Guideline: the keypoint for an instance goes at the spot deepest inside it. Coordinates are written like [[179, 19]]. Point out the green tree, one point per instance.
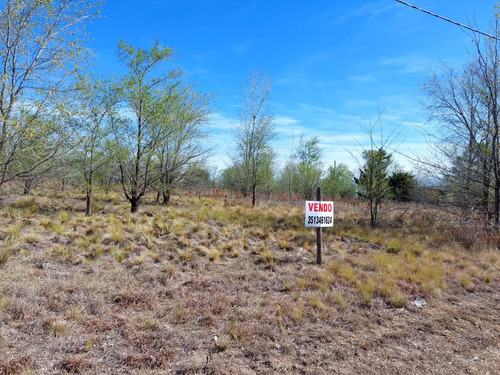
[[41, 48], [37, 153], [309, 172], [373, 179], [287, 177], [254, 135], [182, 137], [230, 178], [96, 100], [147, 95], [339, 182], [267, 176], [196, 176], [402, 186]]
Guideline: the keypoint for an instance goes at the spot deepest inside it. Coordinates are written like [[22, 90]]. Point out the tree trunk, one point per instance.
[[88, 209], [253, 195], [485, 190], [27, 186], [134, 205], [166, 197]]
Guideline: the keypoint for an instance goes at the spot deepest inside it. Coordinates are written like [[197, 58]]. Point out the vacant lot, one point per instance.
[[208, 287]]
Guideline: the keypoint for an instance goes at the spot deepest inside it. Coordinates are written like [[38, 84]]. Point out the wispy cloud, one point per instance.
[[363, 78], [285, 121], [241, 47], [353, 11], [221, 123], [298, 73], [407, 64]]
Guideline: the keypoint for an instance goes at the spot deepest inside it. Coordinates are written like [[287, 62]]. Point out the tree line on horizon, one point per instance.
[[146, 129]]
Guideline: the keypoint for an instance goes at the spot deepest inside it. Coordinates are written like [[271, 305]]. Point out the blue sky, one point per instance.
[[334, 64]]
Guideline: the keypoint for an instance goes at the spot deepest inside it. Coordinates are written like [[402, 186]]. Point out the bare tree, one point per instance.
[[466, 104]]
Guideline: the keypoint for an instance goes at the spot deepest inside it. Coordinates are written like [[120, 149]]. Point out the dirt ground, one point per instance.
[[172, 312]]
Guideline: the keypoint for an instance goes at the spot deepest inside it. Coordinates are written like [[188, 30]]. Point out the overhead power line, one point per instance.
[[448, 20]]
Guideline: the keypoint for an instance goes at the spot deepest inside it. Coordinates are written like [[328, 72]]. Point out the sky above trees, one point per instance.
[[334, 64]]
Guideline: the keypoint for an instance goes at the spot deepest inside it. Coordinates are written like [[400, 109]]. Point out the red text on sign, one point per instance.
[[320, 207]]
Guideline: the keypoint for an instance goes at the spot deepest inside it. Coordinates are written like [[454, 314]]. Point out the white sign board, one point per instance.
[[319, 214]]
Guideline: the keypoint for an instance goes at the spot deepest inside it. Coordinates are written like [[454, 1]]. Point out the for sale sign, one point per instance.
[[319, 214]]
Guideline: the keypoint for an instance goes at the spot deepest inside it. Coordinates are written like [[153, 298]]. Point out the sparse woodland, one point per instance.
[[122, 253]]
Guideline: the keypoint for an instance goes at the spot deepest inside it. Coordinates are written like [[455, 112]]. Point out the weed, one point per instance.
[[280, 319], [395, 246], [298, 315], [339, 300], [83, 243], [117, 235], [316, 303], [302, 282], [334, 267], [267, 256], [221, 343], [367, 290], [5, 302], [181, 312], [487, 279], [287, 285], [246, 244], [89, 345], [386, 289], [398, 300], [119, 255], [45, 222], [57, 228], [64, 217], [186, 255], [73, 314], [57, 328], [214, 255], [15, 229], [348, 273], [236, 332], [465, 281], [4, 256], [94, 239], [284, 244], [27, 204], [169, 269], [137, 260], [64, 251], [150, 324], [179, 227]]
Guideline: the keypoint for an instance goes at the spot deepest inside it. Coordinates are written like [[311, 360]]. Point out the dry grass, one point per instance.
[[207, 287]]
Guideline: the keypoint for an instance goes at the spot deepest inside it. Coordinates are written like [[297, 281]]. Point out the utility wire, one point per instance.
[[448, 20]]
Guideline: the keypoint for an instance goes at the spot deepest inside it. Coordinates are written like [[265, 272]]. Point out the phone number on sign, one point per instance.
[[319, 220]]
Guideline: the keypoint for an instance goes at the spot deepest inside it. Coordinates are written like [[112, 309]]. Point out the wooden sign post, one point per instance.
[[319, 232], [319, 214]]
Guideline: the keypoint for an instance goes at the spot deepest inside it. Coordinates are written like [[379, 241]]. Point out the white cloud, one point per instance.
[[221, 123], [285, 120]]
